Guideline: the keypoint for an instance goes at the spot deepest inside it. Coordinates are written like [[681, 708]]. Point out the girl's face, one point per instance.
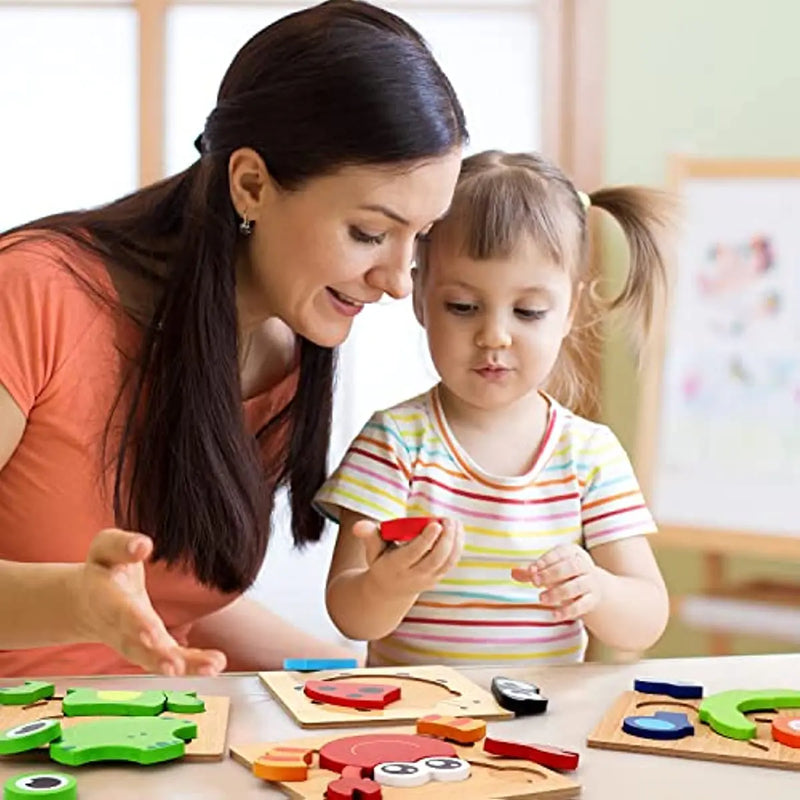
[[494, 327], [318, 254]]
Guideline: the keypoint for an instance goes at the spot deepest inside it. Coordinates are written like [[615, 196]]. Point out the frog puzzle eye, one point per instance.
[[42, 784], [31, 727], [401, 773], [444, 768]]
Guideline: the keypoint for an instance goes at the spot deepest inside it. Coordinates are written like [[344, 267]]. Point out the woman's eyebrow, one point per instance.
[[386, 212]]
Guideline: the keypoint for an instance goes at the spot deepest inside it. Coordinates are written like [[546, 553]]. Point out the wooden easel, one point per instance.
[[714, 545]]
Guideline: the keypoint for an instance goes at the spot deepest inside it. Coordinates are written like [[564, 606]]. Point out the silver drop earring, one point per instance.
[[246, 225]]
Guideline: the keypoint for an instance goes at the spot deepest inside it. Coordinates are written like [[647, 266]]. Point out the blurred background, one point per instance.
[[101, 96]]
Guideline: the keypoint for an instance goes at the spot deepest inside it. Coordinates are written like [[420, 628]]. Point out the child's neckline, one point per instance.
[[473, 469]]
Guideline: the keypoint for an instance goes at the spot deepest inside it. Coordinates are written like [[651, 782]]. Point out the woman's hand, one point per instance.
[[570, 580], [113, 607], [415, 567]]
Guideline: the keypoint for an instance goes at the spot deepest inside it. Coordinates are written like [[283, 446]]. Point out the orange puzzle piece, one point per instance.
[[786, 730], [283, 764], [463, 730]]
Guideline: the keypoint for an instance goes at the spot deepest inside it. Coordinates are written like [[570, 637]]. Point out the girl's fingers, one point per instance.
[[522, 574], [203, 662]]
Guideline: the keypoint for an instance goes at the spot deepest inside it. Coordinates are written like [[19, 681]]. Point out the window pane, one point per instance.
[[68, 91]]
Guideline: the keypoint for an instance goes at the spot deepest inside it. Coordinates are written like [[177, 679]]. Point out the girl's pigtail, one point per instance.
[[643, 215]]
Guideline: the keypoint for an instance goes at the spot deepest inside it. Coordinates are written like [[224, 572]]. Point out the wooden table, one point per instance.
[[579, 696]]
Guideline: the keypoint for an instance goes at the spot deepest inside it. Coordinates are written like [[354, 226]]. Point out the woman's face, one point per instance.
[[318, 254]]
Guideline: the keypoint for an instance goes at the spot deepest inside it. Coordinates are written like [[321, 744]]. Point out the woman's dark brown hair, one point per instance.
[[338, 84]]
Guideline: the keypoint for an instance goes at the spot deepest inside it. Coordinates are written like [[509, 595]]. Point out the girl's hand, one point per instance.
[[113, 607], [570, 579], [414, 567]]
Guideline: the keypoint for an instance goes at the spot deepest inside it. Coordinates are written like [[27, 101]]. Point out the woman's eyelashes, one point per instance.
[[361, 236]]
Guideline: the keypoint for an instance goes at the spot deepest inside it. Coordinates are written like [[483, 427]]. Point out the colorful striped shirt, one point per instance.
[[582, 489]]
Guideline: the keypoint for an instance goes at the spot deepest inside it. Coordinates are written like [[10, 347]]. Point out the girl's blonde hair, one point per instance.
[[501, 197]]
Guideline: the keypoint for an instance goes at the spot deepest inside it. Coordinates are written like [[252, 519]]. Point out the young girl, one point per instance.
[[541, 529]]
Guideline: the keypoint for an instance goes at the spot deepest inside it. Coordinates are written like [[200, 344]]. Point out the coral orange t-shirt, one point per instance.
[[60, 362]]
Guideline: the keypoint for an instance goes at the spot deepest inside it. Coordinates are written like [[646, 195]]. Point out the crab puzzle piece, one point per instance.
[[54, 785], [29, 736], [365, 752], [463, 730], [144, 740], [518, 696], [725, 712], [786, 730], [404, 529], [407, 774], [28, 692], [680, 690], [352, 786], [282, 763], [352, 694], [661, 725], [547, 756]]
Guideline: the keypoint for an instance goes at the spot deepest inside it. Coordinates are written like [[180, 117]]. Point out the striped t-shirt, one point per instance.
[[407, 462]]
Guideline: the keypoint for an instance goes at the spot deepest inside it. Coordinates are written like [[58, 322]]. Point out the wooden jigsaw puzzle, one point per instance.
[[423, 690], [757, 727], [407, 765], [28, 712]]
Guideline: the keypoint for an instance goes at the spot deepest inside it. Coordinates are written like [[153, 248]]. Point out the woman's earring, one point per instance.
[[246, 225]]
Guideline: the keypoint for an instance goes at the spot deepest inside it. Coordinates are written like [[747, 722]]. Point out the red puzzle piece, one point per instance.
[[404, 529], [786, 730], [354, 695], [365, 752], [351, 786], [544, 754]]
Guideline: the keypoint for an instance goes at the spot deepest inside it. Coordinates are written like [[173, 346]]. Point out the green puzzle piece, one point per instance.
[[725, 712], [145, 740], [55, 785], [28, 692], [184, 703], [112, 703], [28, 736]]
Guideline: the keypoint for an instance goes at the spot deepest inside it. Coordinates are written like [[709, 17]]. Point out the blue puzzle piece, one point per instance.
[[662, 725], [681, 690], [314, 664]]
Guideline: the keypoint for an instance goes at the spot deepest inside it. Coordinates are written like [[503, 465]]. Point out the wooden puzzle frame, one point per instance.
[[495, 777], [705, 745], [212, 725], [426, 690]]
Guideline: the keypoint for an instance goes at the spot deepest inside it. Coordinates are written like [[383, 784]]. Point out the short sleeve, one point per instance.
[[374, 476], [44, 311], [612, 506]]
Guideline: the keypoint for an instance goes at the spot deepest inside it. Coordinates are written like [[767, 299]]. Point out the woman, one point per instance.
[[169, 357]]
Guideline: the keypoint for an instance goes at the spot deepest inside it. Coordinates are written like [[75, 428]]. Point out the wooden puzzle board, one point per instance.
[[212, 725], [491, 777], [425, 690], [705, 744]]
